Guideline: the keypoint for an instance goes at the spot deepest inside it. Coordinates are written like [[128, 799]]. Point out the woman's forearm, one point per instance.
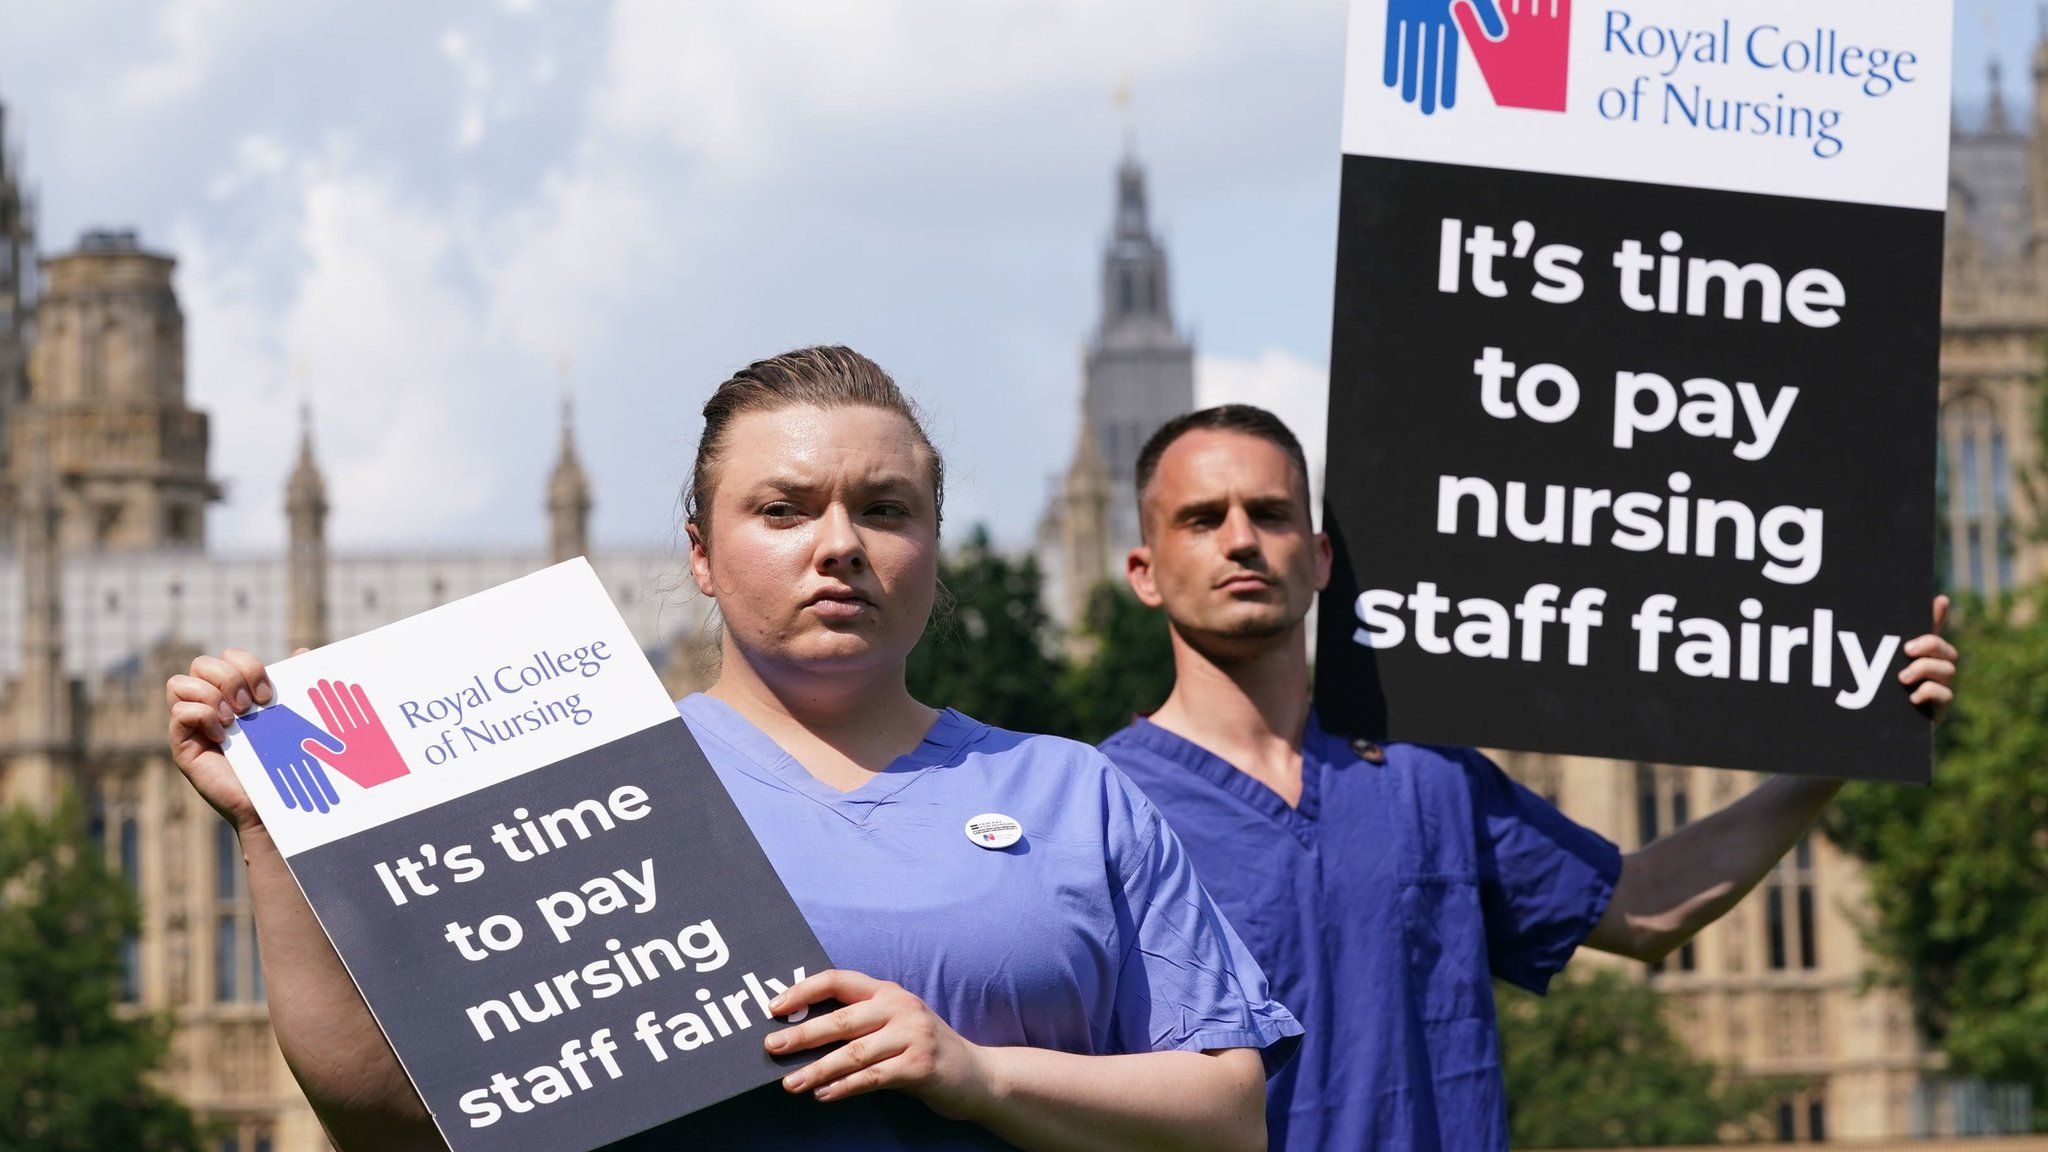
[[1049, 1101], [329, 1039]]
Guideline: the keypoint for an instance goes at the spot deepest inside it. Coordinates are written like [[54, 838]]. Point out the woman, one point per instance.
[[1081, 992]]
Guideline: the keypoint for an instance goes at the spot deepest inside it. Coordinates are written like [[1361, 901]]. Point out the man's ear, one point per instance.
[[1322, 560], [1138, 570], [700, 563]]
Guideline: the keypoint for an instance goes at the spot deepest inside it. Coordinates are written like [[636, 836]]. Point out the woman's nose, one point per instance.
[[839, 542]]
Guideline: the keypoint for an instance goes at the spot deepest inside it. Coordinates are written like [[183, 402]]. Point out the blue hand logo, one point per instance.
[[1422, 48], [279, 737]]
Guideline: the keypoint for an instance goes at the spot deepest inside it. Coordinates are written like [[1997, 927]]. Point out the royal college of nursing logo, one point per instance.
[[296, 753], [1523, 48]]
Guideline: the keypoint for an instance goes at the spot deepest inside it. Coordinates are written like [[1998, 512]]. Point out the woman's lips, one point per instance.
[[838, 607]]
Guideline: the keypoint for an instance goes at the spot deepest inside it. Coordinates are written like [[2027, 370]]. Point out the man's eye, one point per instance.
[[888, 508]]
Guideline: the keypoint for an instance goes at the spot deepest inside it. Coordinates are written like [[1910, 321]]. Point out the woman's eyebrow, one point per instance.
[[806, 483]]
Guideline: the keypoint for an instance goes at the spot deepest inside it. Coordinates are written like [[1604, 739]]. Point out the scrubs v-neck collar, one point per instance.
[[1299, 819], [949, 732]]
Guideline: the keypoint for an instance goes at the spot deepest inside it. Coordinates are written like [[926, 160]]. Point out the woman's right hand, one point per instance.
[[203, 703]]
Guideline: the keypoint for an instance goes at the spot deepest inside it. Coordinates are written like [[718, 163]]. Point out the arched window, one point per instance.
[[130, 849], [237, 974], [1663, 806], [1975, 498]]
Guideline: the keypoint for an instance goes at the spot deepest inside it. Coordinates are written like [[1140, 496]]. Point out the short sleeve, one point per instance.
[[1544, 880], [1186, 983]]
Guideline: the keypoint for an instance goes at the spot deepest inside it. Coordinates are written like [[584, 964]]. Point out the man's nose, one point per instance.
[[1237, 535]]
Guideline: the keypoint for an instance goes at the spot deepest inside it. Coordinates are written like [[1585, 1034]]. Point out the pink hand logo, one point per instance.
[[1528, 65], [367, 757]]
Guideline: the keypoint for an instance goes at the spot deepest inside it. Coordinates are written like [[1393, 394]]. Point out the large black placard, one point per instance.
[[652, 932], [1674, 630]]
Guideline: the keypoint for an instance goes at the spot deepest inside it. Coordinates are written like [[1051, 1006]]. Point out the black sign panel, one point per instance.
[[615, 974], [1631, 471]]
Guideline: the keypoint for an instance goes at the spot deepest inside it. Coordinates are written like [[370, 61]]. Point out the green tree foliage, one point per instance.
[[996, 656], [1594, 1065], [74, 1069], [1129, 667], [1959, 870], [991, 656]]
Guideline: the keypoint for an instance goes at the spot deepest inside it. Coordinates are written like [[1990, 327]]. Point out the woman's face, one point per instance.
[[824, 539]]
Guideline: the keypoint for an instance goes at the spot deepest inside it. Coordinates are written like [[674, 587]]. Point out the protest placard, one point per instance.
[[548, 900], [1633, 378]]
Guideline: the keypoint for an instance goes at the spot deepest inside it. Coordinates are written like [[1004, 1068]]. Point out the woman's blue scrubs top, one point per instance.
[[1090, 935]]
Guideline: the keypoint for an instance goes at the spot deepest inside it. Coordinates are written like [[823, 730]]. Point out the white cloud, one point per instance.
[[1295, 390], [257, 158], [396, 361], [561, 264], [195, 34], [423, 325], [473, 77], [662, 191], [735, 84]]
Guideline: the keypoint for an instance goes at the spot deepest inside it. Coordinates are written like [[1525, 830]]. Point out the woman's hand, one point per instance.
[[202, 705], [893, 1040]]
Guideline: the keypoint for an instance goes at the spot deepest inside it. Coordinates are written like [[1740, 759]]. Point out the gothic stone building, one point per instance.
[[1776, 987], [110, 588]]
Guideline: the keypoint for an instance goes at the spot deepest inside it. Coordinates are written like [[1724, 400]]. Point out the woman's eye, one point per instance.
[[889, 508], [779, 510]]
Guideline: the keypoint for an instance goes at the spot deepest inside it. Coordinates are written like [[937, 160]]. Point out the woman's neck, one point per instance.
[[866, 718]]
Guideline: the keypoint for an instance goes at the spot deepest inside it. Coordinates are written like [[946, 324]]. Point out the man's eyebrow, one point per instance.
[[1197, 507]]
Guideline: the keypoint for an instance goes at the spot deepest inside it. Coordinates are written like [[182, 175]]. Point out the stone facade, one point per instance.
[[108, 589], [1776, 987]]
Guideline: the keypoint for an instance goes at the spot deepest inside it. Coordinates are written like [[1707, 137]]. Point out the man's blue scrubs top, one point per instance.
[[1378, 908]]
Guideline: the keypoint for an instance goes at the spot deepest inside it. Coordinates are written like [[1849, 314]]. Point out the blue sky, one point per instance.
[[416, 214]]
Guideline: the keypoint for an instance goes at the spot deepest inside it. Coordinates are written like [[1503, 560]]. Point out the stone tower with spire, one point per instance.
[[1139, 368], [107, 400], [1084, 515], [17, 286], [1138, 372], [41, 714], [568, 499], [305, 509]]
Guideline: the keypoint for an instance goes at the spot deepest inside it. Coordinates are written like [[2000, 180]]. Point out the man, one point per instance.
[[1381, 887]]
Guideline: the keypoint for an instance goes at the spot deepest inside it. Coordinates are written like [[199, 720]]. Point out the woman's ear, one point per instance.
[[700, 562]]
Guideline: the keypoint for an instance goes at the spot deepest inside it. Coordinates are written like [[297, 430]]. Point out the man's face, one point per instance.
[[1230, 551]]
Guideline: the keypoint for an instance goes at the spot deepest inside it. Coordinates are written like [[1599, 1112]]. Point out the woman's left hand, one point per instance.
[[893, 1040]]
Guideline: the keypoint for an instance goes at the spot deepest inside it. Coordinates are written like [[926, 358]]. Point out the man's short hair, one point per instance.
[[1240, 418]]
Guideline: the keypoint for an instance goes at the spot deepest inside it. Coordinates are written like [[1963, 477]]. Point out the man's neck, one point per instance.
[[1249, 706]]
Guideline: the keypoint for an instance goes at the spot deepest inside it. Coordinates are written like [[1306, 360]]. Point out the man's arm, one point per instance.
[[1675, 886]]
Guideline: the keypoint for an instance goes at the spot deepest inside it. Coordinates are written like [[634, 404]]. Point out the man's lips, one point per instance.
[[1244, 581]]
